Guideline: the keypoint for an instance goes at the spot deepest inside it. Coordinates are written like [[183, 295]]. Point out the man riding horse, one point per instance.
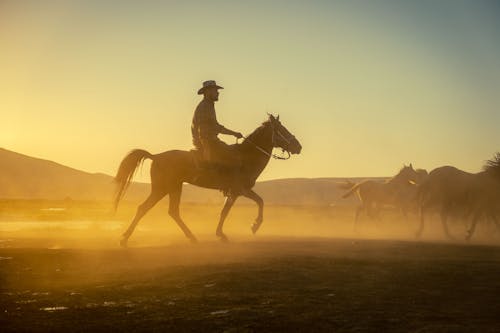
[[205, 129], [171, 169], [216, 154]]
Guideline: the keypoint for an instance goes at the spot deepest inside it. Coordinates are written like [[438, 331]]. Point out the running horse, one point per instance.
[[472, 195], [170, 169], [397, 191]]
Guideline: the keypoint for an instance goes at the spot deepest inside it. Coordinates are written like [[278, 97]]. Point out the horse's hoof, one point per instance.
[[123, 243], [256, 225], [223, 238], [193, 239]]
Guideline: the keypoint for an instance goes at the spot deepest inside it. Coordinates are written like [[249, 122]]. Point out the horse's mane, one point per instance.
[[257, 130], [397, 176], [403, 167], [492, 166]]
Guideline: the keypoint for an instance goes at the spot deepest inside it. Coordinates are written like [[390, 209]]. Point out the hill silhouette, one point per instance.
[[25, 177]]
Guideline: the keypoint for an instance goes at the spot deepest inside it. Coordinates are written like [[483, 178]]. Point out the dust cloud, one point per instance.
[[93, 225], [306, 269]]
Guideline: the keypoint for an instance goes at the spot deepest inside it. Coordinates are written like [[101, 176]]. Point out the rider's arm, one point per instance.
[[208, 123], [223, 130]]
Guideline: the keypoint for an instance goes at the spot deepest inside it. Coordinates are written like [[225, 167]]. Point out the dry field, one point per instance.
[[62, 270]]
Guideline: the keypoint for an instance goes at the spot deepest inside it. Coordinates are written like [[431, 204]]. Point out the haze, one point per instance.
[[366, 86]]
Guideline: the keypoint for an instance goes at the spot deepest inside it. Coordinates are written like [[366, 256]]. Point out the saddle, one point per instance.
[[212, 174], [203, 165]]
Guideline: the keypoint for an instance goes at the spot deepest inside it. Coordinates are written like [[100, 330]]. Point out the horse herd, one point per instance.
[[446, 190]]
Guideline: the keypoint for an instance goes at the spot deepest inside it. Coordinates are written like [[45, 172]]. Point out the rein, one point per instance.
[[262, 150]]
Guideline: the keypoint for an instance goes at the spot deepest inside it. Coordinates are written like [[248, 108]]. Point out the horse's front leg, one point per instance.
[[250, 194], [230, 200]]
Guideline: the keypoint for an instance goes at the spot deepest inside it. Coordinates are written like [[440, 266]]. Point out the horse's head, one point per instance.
[[407, 175], [282, 138]]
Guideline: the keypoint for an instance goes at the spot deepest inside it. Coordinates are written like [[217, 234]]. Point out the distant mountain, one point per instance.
[[25, 177]]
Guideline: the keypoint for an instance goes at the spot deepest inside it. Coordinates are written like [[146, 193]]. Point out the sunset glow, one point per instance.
[[366, 87]]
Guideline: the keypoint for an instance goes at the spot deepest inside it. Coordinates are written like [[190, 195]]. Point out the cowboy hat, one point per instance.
[[208, 84]]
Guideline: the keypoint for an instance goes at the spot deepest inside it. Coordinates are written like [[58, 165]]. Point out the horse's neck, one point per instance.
[[261, 137], [397, 180], [257, 149]]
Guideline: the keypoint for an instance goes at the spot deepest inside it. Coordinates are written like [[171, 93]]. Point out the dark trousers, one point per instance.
[[218, 152]]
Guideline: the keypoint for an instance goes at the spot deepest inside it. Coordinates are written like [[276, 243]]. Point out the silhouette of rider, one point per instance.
[[205, 128]]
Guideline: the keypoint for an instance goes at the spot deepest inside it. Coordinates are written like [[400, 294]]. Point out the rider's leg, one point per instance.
[[229, 164]]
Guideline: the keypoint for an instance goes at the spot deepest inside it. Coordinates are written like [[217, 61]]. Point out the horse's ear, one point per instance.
[[411, 166], [278, 117], [271, 117]]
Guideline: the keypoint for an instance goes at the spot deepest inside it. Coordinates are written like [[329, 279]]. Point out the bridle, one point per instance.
[[285, 139]]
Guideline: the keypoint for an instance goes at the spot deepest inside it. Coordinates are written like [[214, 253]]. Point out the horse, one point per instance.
[[170, 169], [451, 190], [373, 195]]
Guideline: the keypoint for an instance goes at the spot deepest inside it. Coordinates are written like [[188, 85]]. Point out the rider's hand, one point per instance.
[[238, 135]]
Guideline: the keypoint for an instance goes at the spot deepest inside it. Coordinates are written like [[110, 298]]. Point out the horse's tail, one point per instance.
[[353, 189], [346, 185], [126, 171]]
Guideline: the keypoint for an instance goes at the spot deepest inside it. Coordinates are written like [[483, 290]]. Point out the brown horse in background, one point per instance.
[[450, 190], [398, 191], [170, 169]]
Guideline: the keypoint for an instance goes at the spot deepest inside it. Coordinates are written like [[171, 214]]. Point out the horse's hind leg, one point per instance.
[[472, 228], [143, 208], [173, 211], [444, 220]]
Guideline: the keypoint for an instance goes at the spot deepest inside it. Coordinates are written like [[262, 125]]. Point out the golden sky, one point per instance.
[[365, 86]]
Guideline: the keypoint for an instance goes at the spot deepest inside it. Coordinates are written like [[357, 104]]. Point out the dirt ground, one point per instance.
[[304, 271], [277, 284]]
